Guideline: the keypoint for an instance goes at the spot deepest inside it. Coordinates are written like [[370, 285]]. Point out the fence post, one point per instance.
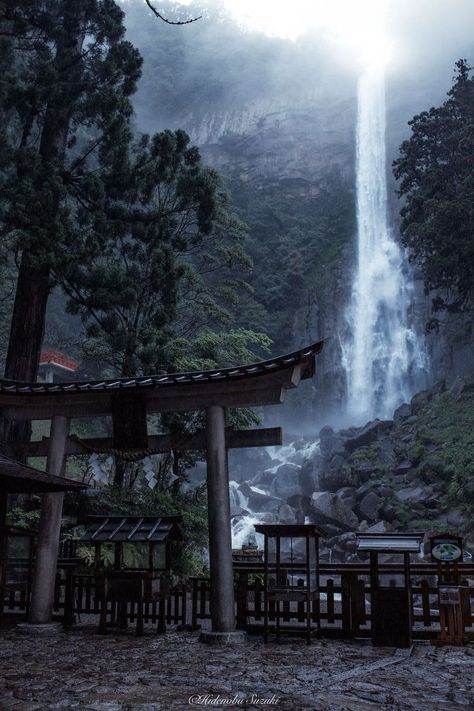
[[68, 599], [242, 600]]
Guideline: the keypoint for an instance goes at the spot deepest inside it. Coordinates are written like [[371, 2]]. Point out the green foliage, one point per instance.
[[295, 245], [209, 350], [19, 517], [436, 171], [445, 436], [416, 453], [365, 455], [165, 206]]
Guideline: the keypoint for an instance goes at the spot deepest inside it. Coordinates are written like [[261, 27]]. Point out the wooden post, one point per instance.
[[49, 529], [220, 544], [3, 550]]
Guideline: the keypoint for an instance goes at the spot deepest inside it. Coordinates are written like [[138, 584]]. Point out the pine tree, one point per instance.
[[67, 76]]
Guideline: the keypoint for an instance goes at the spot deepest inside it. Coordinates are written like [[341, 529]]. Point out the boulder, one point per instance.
[[388, 513], [380, 527], [328, 506], [263, 479], [362, 472], [247, 463], [326, 436], [370, 505], [308, 477], [401, 413], [368, 486], [286, 481], [335, 474], [258, 500], [348, 541], [300, 503], [366, 435], [244, 487], [403, 467], [348, 495], [412, 494], [286, 514]]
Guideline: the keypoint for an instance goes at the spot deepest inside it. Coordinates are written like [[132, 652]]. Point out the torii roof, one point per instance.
[[260, 383]]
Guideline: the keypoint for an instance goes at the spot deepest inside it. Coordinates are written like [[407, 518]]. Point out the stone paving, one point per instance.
[[120, 672]]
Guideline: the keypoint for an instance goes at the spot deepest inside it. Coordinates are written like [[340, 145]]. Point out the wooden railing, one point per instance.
[[342, 609]]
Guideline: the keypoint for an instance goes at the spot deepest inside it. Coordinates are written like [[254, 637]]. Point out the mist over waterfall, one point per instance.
[[382, 357]]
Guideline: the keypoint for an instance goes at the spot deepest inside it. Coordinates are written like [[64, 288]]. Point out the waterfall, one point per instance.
[[382, 356]]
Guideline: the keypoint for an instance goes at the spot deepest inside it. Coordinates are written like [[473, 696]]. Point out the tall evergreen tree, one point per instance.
[[436, 170], [67, 77]]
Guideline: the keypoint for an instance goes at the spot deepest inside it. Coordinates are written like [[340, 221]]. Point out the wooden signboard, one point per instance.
[[446, 548], [129, 421], [447, 552]]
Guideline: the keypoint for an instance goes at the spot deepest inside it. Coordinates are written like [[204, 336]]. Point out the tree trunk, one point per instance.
[[24, 343], [27, 326]]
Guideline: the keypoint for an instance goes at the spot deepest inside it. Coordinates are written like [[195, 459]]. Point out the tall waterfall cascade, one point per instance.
[[382, 356]]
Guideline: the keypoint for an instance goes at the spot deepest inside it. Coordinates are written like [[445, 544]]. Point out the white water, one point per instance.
[[243, 526], [382, 357]]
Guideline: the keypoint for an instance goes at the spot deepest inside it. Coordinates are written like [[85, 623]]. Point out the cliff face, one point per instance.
[[273, 143], [288, 155]]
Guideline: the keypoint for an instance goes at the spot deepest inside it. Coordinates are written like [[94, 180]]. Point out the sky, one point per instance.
[[399, 31]]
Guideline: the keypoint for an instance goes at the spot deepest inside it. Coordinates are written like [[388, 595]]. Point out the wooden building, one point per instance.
[[16, 546]]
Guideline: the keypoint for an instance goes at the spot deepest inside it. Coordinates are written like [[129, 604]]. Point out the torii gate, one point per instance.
[[129, 401]]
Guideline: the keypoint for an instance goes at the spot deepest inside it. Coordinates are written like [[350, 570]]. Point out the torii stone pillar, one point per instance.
[[220, 541], [49, 530]]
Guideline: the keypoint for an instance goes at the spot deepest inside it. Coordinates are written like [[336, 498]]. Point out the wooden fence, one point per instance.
[[342, 609]]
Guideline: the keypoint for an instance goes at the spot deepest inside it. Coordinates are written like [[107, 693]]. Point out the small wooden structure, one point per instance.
[[447, 552], [16, 565], [17, 546], [142, 557], [248, 553], [291, 562], [390, 596]]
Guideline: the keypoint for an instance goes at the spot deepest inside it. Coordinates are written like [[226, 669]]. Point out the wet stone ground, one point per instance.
[[120, 672]]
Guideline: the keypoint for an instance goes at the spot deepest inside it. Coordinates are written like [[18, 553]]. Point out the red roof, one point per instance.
[[52, 356]]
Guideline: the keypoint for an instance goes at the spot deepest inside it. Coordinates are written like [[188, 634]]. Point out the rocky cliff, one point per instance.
[[415, 472]]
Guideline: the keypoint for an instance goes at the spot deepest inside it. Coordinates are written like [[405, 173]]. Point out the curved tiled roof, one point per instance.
[[155, 381]]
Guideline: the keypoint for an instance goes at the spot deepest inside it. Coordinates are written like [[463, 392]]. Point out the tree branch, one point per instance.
[[170, 22]]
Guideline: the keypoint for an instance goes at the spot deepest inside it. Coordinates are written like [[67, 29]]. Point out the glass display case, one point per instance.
[[291, 561], [141, 559]]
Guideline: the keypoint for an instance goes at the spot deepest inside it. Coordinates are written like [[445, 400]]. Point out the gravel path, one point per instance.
[[82, 670]]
